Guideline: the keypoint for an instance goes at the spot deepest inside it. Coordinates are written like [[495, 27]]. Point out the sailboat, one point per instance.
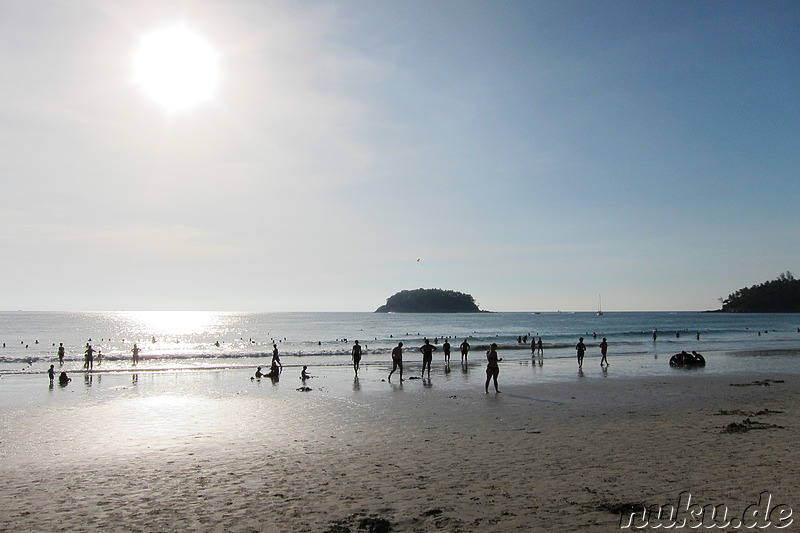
[[599, 306]]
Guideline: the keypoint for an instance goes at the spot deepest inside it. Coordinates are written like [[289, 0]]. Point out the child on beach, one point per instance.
[[604, 352], [581, 349]]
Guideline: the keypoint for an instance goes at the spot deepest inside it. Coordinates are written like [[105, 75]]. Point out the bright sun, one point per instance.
[[176, 68]]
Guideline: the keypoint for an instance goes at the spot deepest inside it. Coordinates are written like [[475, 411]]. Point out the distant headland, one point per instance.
[[430, 301], [780, 295]]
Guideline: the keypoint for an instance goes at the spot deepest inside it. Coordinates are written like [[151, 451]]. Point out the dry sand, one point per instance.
[[156, 456]]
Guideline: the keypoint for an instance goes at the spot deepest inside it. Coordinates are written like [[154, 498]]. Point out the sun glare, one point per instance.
[[176, 68]]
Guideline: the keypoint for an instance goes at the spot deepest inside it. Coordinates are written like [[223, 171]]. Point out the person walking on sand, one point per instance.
[[135, 352], [446, 349], [464, 350], [604, 352], [492, 368], [61, 353], [581, 349], [427, 350], [397, 361], [356, 356]]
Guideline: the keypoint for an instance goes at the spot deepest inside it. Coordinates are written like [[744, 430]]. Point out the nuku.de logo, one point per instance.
[[690, 515]]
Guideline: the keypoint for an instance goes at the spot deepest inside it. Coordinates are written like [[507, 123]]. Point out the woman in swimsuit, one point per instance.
[[492, 368]]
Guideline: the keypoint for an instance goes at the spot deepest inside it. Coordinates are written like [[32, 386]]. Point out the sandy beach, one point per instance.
[[214, 451]]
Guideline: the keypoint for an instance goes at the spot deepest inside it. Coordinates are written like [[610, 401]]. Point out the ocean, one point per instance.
[[222, 340]]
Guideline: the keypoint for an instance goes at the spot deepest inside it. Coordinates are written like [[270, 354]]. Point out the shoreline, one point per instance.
[[169, 454]]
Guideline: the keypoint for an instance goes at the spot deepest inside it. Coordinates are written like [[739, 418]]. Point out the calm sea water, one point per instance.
[[179, 340]]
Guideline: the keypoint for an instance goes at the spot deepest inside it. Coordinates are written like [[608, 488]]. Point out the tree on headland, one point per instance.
[[429, 301], [780, 295]]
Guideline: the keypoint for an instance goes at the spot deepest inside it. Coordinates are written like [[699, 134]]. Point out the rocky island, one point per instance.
[[430, 301]]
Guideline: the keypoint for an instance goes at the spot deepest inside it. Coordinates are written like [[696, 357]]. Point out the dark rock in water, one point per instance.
[[375, 525]]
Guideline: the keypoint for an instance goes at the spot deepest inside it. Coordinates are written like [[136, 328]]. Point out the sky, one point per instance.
[[538, 155]]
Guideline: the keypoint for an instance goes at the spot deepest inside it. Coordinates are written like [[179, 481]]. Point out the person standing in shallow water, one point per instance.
[[604, 352], [464, 350], [89, 357], [446, 349], [581, 349], [135, 352], [397, 360], [60, 353], [492, 368], [427, 350], [356, 356], [276, 360]]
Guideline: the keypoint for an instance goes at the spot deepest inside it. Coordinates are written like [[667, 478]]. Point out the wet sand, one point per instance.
[[214, 451]]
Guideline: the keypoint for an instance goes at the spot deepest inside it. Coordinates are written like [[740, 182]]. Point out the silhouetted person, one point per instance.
[[304, 375], [356, 356], [276, 360], [88, 361], [63, 379], [51, 373], [539, 347], [397, 360], [274, 371], [604, 352], [427, 350], [135, 352], [60, 353], [259, 374], [446, 349], [581, 349], [464, 350], [492, 368]]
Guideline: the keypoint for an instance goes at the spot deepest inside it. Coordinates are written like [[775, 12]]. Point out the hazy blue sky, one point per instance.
[[532, 154]]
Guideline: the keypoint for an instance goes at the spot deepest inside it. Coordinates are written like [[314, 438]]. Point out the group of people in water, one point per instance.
[[682, 359], [687, 360]]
